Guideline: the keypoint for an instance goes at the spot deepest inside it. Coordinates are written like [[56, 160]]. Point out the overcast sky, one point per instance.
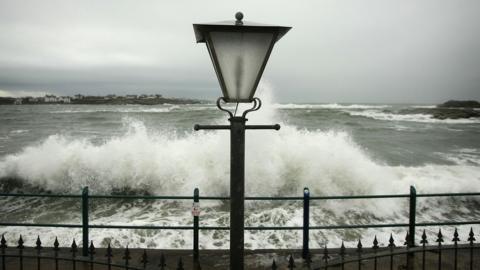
[[396, 51]]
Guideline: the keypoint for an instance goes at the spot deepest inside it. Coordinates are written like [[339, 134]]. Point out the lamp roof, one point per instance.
[[237, 26]]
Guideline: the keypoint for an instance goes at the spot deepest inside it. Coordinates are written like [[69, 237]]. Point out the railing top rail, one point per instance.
[[40, 195], [449, 194], [258, 198], [141, 197], [346, 197], [253, 228]]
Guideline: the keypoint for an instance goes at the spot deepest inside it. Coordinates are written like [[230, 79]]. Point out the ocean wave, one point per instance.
[[281, 164], [165, 164], [422, 118], [328, 106], [336, 173], [329, 162], [120, 110], [136, 109], [463, 156], [425, 106], [19, 131]]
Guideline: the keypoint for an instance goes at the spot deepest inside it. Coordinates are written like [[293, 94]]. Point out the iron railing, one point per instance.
[[306, 198], [460, 254]]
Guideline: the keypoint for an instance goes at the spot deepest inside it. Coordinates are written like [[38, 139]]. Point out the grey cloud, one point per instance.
[[338, 51]]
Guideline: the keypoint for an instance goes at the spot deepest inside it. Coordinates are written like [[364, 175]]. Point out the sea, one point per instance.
[[331, 148]]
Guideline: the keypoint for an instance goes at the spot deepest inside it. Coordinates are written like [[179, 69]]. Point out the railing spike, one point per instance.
[[56, 244], [274, 265], [375, 243], [91, 248], [325, 256], [126, 255], [291, 262], [180, 264], [359, 246], [20, 243], [144, 258], [3, 243], [424, 239], [439, 241], [342, 250], [440, 237], [38, 244], [308, 260], [471, 237], [162, 262], [406, 239], [73, 248], [109, 251], [455, 237], [391, 242]]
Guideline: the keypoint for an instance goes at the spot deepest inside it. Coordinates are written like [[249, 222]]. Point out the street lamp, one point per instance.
[[239, 51]]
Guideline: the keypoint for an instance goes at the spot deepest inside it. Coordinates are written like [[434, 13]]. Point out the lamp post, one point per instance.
[[239, 52]]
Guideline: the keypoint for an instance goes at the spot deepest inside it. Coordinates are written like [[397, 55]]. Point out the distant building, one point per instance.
[[18, 101], [50, 98], [32, 99], [64, 99], [78, 96], [55, 99], [131, 96]]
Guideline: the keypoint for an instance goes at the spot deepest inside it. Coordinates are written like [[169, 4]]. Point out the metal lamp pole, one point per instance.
[[237, 191], [239, 52], [237, 129]]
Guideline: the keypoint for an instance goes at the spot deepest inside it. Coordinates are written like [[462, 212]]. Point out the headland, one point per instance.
[[98, 100]]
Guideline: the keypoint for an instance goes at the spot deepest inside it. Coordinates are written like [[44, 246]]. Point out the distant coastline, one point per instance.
[[97, 100]]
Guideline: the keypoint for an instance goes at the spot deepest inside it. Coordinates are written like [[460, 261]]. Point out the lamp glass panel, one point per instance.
[[240, 57]]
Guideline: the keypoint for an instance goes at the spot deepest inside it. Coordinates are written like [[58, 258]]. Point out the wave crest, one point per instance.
[[283, 163]]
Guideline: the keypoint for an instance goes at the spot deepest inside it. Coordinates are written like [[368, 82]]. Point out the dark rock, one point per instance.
[[454, 113], [460, 104], [444, 112]]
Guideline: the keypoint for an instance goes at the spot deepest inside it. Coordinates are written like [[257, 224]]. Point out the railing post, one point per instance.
[[196, 213], [306, 222], [411, 221], [85, 221], [411, 228]]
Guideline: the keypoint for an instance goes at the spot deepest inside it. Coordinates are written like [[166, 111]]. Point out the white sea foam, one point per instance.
[[425, 106], [19, 131], [463, 156], [421, 118], [137, 109], [328, 106]]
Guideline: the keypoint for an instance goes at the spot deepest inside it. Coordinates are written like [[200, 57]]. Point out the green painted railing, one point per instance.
[[85, 226]]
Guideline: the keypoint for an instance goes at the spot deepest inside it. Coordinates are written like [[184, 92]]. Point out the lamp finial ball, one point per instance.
[[239, 16]]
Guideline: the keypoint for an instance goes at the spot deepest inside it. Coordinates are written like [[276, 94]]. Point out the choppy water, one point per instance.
[[334, 149]]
